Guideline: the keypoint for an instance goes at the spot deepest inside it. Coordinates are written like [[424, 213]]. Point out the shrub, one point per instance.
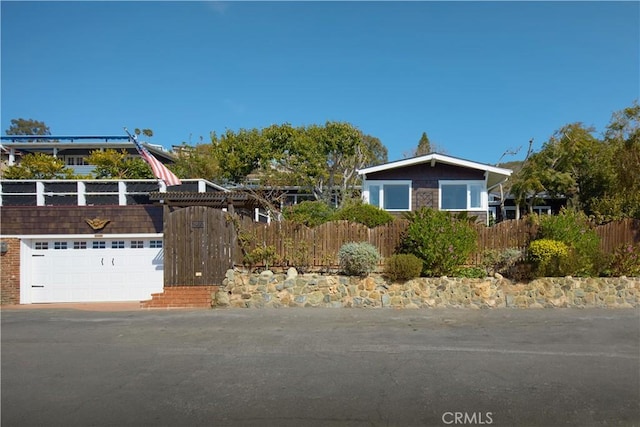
[[363, 213], [470, 272], [265, 255], [625, 261], [574, 229], [358, 259], [443, 243], [501, 261], [309, 213], [549, 257], [403, 267]]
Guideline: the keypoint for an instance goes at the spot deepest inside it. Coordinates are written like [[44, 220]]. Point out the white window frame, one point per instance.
[[117, 244], [60, 245], [542, 210], [41, 246], [381, 184], [484, 196], [79, 245]]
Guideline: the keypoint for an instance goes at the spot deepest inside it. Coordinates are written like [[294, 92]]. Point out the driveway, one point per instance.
[[320, 367]]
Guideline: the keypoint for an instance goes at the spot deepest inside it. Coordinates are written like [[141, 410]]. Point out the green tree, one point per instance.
[[38, 166], [564, 167], [315, 156], [368, 152], [118, 165], [239, 153], [27, 127], [424, 145], [146, 132], [338, 144], [320, 158], [197, 162], [618, 194]]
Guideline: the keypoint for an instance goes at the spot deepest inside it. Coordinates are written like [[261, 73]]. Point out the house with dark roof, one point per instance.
[[435, 181]]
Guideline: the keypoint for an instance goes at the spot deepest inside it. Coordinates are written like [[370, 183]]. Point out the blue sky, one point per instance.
[[479, 77]]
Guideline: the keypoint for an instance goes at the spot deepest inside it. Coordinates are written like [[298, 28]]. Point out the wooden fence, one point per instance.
[[298, 245]]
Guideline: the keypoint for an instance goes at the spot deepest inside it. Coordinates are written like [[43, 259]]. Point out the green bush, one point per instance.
[[501, 261], [358, 259], [363, 213], [309, 213], [625, 261], [549, 257], [403, 267], [574, 229], [442, 242], [470, 272]]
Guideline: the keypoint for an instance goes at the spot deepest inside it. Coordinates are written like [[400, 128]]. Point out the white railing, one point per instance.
[[90, 192]]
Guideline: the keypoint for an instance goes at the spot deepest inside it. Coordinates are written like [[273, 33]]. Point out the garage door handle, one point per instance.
[[37, 286], [102, 261], [112, 259], [37, 255]]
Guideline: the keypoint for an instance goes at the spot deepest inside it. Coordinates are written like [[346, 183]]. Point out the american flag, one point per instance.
[[159, 170]]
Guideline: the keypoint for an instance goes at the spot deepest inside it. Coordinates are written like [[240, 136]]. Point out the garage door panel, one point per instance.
[[95, 270]]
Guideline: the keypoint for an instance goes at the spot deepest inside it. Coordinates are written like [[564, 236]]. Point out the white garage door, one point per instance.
[[83, 270]]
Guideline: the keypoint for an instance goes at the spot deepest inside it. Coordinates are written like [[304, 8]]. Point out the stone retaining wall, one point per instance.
[[267, 289]]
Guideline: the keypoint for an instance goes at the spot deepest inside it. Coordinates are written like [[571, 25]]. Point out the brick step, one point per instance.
[[181, 297]]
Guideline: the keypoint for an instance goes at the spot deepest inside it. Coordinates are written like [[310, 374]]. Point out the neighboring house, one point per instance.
[[86, 240], [541, 204], [434, 180], [73, 150]]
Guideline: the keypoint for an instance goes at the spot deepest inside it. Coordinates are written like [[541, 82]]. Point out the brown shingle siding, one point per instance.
[[17, 220]]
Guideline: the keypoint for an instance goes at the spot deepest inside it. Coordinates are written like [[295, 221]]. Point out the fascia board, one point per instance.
[[438, 158]]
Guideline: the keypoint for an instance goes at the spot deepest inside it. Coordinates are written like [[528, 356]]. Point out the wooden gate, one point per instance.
[[198, 246]]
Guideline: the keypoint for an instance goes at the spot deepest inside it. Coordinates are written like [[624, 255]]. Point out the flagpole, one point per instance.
[[160, 171], [161, 185]]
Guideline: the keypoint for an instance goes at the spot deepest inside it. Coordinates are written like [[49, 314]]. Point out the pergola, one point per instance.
[[230, 200]]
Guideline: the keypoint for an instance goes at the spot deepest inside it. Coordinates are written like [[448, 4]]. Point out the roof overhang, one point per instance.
[[494, 174], [41, 144]]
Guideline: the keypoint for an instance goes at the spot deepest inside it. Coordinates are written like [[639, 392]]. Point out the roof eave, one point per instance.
[[438, 158]]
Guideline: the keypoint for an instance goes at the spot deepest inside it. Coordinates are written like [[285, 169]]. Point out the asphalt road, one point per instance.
[[321, 367]]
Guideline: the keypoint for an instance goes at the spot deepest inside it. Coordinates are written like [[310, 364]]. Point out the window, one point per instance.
[[542, 210], [155, 244], [117, 244], [99, 245], [41, 246], [463, 195], [137, 244], [389, 195], [79, 245], [59, 245]]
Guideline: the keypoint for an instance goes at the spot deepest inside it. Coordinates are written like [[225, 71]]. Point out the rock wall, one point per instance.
[[267, 289]]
